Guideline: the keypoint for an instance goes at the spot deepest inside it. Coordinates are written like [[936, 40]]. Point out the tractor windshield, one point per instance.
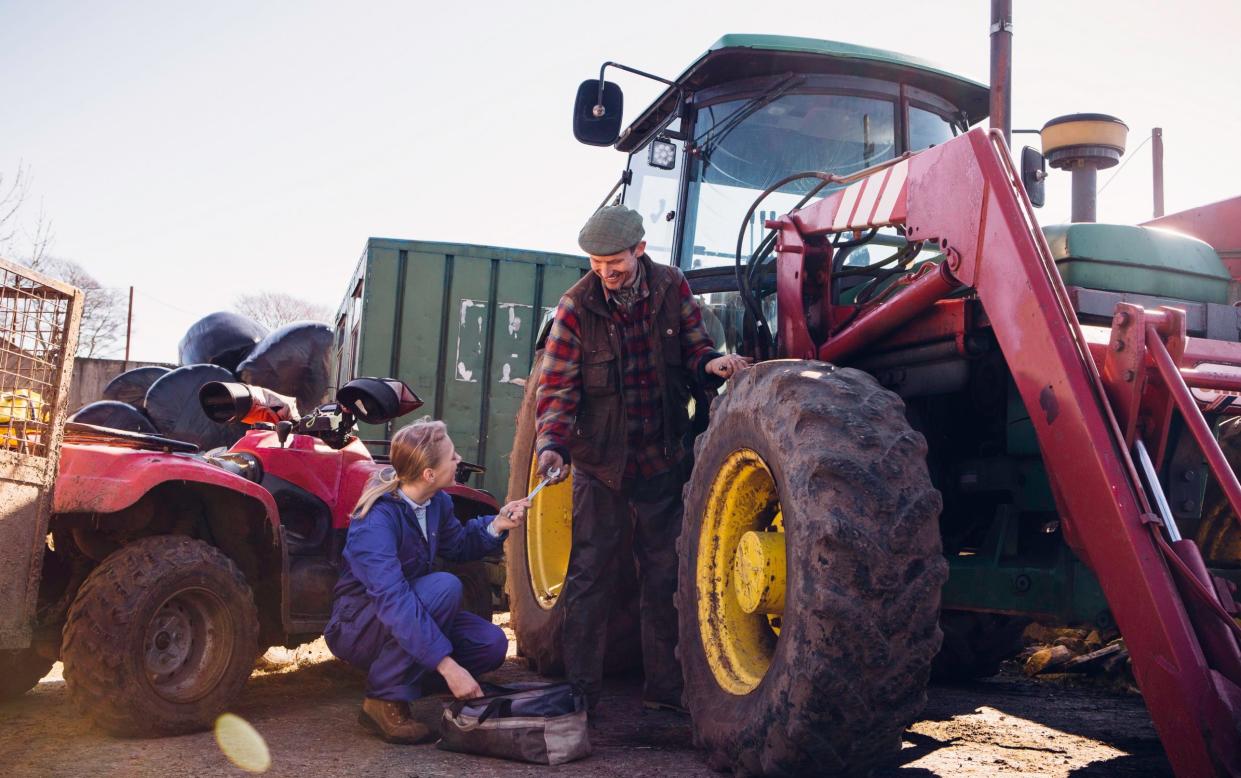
[[744, 146]]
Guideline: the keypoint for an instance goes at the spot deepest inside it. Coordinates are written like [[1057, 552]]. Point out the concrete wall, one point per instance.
[[90, 376]]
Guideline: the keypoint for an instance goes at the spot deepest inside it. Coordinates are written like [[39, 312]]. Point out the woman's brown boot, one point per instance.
[[391, 721]]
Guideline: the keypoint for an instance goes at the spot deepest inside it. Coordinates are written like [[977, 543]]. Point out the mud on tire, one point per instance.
[[539, 629], [161, 638], [859, 629]]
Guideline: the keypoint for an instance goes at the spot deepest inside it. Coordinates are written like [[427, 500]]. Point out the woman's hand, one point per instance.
[[460, 682], [511, 516]]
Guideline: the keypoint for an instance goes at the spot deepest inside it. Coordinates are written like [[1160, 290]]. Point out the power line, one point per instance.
[[1132, 154], [179, 309], [1128, 158]]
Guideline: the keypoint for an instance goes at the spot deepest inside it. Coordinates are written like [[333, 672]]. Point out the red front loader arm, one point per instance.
[[965, 196]]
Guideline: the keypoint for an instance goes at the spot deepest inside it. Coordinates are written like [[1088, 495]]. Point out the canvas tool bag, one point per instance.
[[539, 723]]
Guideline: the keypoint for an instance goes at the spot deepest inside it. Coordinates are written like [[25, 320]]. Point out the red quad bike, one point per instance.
[[170, 570]]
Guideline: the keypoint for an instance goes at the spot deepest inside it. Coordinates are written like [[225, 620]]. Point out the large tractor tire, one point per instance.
[[20, 670], [537, 556], [161, 638], [1218, 534], [810, 574]]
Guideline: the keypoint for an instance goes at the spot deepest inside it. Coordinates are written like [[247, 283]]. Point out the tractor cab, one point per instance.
[[755, 109], [751, 111]]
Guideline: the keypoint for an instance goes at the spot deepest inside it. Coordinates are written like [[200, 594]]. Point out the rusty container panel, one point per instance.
[[39, 320], [456, 322]]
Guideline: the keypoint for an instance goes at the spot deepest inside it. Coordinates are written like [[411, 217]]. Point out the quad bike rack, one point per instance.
[[1099, 399], [39, 319]]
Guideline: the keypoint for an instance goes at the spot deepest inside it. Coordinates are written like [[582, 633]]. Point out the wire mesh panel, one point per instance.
[[38, 334], [34, 317]]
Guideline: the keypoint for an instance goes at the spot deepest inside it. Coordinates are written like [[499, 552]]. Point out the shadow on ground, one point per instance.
[[308, 716]]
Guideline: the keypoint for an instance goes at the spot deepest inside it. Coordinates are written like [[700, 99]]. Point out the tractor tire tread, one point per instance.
[[844, 684]]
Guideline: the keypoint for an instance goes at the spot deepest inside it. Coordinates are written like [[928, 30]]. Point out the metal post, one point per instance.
[[1157, 161], [1085, 193], [1002, 68], [1198, 427], [129, 321]]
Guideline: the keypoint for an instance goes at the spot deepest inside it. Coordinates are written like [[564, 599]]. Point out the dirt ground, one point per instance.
[[306, 711]]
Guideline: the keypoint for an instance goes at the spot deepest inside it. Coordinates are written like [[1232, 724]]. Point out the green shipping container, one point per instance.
[[456, 322]]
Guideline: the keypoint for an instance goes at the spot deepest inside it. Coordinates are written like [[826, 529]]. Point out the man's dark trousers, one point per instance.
[[602, 520]]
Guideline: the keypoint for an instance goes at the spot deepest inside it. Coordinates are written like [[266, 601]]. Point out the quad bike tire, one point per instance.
[[1218, 534], [20, 670], [475, 585], [161, 638], [476, 576], [539, 628], [830, 454], [975, 644]]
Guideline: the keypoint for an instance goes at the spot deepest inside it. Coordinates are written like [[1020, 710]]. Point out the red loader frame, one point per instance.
[[1092, 400]]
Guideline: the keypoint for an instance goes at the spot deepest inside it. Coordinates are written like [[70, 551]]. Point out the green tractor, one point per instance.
[[940, 439]]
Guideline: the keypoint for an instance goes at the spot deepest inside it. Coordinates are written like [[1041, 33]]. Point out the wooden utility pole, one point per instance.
[[129, 321], [1157, 162]]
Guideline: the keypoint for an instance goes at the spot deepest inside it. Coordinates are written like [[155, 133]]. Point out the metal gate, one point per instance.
[[39, 320]]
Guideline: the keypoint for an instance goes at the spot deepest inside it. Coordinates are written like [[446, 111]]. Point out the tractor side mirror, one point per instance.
[[596, 119], [1033, 176]]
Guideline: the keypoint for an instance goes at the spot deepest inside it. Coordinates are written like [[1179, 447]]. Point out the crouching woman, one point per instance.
[[391, 615]]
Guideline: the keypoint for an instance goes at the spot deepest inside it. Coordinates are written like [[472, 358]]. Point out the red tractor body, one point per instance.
[[1098, 394], [958, 420]]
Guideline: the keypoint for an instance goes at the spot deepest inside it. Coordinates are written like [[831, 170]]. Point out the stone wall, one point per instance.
[[90, 376]]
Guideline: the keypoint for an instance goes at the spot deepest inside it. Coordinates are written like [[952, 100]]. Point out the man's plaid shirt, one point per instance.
[[561, 384]]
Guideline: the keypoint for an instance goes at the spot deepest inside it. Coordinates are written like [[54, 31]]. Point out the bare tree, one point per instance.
[[26, 239], [276, 309], [22, 239], [103, 308]]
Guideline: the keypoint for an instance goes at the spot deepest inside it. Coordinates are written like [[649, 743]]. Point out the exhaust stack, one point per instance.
[[1002, 68]]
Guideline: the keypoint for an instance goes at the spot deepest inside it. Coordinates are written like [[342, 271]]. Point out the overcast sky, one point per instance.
[[199, 151]]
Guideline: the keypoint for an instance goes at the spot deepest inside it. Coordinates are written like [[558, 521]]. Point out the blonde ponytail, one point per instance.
[[414, 448], [383, 481]]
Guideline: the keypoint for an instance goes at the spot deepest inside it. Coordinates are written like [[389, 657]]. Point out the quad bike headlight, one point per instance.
[[225, 401]]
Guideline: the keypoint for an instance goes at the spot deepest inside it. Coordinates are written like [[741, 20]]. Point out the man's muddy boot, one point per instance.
[[390, 720]]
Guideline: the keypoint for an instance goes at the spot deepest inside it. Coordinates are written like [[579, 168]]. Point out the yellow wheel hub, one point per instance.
[[741, 572], [549, 537], [758, 573]]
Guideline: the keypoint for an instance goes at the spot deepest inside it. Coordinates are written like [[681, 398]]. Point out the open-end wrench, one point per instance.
[[553, 473]]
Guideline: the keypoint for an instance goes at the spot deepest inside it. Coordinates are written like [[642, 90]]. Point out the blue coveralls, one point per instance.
[[392, 616]]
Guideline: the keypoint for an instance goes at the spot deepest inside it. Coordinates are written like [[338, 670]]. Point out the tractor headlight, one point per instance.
[[662, 154]]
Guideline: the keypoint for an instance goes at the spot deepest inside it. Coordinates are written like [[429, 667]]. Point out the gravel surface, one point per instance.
[[305, 703]]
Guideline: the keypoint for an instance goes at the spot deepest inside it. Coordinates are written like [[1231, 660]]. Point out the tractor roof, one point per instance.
[[735, 57]]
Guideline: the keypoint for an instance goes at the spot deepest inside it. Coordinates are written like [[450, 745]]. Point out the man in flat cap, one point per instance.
[[625, 350]]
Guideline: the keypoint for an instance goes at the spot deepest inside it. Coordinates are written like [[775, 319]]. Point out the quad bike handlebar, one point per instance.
[[372, 400]]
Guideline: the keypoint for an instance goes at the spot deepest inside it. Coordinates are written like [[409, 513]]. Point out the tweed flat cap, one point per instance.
[[610, 231]]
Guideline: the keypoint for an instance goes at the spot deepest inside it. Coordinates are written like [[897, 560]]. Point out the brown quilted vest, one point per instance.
[[598, 444]]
